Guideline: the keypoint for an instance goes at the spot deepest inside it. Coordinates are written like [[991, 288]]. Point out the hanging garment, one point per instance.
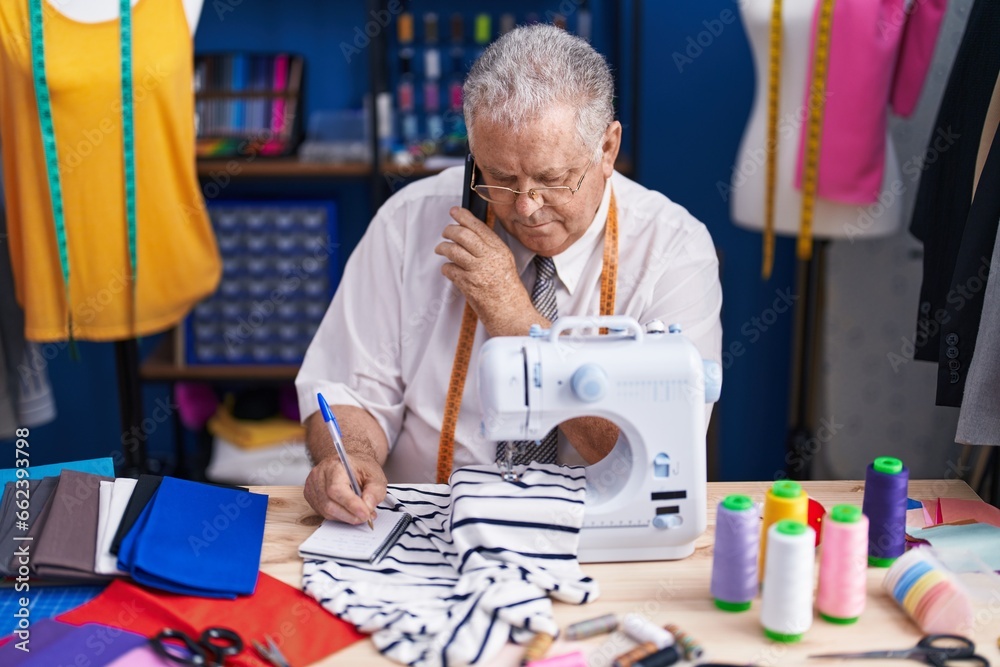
[[25, 395], [177, 259], [474, 570], [979, 418], [957, 230], [879, 56]]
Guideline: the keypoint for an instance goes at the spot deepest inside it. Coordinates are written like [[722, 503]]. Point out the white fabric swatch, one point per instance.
[[114, 499], [475, 569]]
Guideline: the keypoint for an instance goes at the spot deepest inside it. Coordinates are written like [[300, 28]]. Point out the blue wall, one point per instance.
[[691, 118], [689, 122]]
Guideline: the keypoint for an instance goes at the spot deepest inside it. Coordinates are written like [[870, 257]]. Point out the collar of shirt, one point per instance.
[[570, 262]]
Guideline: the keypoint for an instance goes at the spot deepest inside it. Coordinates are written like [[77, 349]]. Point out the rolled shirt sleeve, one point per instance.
[[354, 358]]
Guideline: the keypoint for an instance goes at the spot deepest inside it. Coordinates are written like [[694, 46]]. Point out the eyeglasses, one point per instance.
[[557, 195]]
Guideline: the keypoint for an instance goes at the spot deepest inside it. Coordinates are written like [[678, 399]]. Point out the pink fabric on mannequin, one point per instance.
[[878, 53]]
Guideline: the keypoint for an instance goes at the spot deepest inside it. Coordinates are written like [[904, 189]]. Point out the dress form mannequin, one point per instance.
[[126, 351], [831, 219], [97, 11]]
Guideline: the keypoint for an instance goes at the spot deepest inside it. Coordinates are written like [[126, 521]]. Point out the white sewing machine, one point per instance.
[[646, 500]]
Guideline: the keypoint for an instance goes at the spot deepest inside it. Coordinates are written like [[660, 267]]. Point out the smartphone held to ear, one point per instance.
[[470, 200]]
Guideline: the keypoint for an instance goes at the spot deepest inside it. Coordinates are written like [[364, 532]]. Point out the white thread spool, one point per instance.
[[641, 630], [787, 599]]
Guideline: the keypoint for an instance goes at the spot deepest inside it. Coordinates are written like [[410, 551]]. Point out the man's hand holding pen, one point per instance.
[[347, 482], [328, 489]]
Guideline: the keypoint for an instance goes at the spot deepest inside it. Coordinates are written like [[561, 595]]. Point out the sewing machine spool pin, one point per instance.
[[646, 500]]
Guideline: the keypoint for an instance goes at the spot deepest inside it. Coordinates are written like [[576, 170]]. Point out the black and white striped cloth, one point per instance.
[[476, 568]]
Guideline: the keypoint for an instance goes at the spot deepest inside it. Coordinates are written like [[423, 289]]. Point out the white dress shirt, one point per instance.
[[388, 340]]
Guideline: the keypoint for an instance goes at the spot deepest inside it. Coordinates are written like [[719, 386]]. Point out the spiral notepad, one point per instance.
[[342, 541]]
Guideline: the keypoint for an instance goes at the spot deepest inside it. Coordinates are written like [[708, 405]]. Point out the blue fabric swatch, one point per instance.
[[197, 539], [103, 466]]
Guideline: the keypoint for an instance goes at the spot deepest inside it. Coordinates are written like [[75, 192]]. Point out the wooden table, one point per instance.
[[673, 592]]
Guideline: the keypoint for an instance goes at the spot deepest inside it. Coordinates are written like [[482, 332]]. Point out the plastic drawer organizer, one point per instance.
[[280, 265]]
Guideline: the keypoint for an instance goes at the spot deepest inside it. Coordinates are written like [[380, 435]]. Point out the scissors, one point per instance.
[[212, 648], [271, 653], [937, 650]]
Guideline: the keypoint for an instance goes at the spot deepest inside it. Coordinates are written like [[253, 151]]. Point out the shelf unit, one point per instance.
[[163, 364], [291, 168]]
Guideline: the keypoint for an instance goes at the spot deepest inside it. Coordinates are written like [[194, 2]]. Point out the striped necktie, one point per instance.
[[543, 298]]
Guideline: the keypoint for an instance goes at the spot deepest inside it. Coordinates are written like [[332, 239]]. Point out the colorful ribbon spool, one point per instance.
[[929, 593]]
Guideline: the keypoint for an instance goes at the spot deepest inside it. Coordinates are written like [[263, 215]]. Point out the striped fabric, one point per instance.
[[475, 569]]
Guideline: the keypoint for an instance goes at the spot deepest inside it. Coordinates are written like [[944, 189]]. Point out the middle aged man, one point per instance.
[[538, 105]]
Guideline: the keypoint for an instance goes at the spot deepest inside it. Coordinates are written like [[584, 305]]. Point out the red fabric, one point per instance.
[[303, 630], [816, 514]]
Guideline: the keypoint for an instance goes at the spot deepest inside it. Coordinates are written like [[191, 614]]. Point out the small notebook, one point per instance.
[[342, 541]]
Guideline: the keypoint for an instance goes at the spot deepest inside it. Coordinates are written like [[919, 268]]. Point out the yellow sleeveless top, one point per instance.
[[178, 262]]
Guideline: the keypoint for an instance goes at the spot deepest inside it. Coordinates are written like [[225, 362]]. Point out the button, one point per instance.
[[954, 377], [951, 339], [661, 465], [952, 352], [667, 521], [954, 364]]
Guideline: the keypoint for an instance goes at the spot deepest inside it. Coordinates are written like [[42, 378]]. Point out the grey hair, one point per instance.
[[532, 68]]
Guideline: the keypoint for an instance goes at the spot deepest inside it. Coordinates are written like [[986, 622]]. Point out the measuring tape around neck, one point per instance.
[[43, 100], [817, 94], [467, 336]]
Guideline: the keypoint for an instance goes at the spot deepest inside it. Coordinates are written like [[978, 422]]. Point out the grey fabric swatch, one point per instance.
[[68, 541], [39, 492], [35, 529]]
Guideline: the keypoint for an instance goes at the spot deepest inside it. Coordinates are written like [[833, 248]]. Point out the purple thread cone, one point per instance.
[[734, 561], [885, 506]]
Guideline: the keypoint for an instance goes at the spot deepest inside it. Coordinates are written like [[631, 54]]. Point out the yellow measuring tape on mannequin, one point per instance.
[[467, 336], [817, 95]]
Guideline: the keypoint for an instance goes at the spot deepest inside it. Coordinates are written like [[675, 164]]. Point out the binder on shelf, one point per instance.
[[247, 104]]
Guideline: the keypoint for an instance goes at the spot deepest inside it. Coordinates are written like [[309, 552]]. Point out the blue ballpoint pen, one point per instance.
[[331, 423]]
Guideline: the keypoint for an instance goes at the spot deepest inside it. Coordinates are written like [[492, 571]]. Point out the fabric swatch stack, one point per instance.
[[115, 628], [167, 533]]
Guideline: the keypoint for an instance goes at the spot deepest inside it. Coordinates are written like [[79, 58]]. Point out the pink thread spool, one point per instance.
[[843, 565], [574, 659]]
